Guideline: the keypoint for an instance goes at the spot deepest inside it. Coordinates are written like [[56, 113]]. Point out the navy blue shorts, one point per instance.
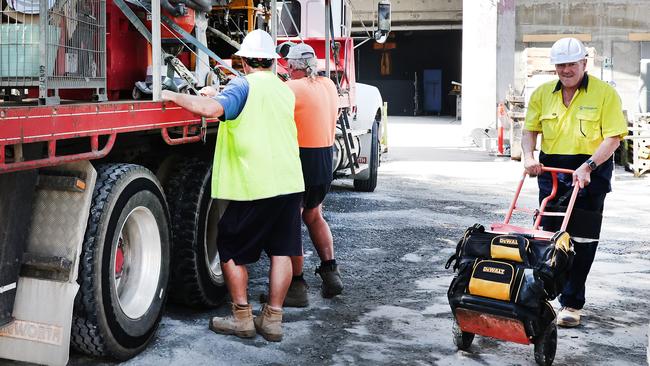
[[315, 195], [271, 225]]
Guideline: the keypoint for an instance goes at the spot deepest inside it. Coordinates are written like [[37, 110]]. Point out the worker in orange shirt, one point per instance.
[[315, 113]]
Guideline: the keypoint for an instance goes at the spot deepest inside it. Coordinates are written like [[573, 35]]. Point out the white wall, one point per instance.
[[608, 22], [506, 31], [479, 77]]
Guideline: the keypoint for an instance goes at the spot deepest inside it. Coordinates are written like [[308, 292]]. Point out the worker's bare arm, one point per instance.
[[528, 142], [203, 106]]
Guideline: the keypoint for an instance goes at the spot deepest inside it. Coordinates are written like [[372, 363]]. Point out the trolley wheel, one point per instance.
[[462, 340], [546, 345]]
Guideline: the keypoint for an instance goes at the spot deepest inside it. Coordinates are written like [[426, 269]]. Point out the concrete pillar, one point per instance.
[[488, 62], [506, 31]]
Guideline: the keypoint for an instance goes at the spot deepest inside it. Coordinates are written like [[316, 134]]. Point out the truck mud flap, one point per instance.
[[16, 197], [46, 288]]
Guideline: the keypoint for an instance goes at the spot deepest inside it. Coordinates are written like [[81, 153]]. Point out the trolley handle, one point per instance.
[[541, 212]]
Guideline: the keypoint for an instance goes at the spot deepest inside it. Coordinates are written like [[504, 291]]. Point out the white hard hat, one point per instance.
[[257, 44], [301, 51], [567, 50]]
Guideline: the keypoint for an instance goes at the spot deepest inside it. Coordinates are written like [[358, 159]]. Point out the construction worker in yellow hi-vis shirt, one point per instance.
[[581, 124]]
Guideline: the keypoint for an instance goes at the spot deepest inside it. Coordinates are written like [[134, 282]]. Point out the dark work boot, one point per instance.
[[240, 323], [297, 294], [329, 273]]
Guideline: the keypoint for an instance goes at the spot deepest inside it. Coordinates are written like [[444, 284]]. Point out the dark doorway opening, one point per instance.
[[413, 70]]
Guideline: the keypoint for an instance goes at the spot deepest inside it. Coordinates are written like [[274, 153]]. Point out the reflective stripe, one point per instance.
[[583, 240], [8, 287]]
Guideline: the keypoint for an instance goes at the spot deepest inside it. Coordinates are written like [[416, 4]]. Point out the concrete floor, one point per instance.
[[392, 245]]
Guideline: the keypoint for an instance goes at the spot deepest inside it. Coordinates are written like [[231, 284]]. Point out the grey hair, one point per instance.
[[309, 65]]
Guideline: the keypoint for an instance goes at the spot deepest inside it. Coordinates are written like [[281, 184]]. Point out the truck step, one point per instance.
[[61, 181], [354, 132], [46, 267], [348, 171]]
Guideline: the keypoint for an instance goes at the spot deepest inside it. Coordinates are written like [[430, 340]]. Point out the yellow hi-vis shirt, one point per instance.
[[593, 114], [257, 153]]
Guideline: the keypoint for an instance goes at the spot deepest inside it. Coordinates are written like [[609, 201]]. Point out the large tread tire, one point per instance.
[[125, 197], [369, 185], [196, 279]]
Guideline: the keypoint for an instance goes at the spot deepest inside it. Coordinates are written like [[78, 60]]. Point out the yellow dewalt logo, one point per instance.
[[494, 270], [508, 241]]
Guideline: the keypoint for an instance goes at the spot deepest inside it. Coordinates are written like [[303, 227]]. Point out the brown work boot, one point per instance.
[[240, 323], [332, 285], [269, 323]]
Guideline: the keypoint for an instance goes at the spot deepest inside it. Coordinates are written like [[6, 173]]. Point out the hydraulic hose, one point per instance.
[[200, 5], [174, 10]]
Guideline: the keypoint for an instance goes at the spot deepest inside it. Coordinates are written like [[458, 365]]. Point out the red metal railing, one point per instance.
[[24, 125]]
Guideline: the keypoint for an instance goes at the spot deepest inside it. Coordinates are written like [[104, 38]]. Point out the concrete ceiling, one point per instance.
[[411, 14]]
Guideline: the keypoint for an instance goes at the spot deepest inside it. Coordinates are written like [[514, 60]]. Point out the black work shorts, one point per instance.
[[270, 224], [315, 195]]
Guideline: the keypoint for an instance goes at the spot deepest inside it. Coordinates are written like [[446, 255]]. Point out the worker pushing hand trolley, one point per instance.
[[506, 277]]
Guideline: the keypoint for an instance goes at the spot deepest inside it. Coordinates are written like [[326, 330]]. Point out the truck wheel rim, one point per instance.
[[212, 260], [137, 258]]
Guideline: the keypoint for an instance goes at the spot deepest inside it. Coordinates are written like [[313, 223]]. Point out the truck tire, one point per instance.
[[369, 185], [124, 264], [196, 279]]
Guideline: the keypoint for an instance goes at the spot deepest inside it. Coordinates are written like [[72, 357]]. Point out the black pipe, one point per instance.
[[200, 5], [174, 10]]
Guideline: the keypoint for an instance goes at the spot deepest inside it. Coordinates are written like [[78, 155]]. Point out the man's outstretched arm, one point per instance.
[[203, 106]]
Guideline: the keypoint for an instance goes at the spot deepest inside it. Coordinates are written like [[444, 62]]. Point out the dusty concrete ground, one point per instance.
[[392, 245]]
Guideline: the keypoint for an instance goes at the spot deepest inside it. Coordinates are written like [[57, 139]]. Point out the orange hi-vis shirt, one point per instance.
[[316, 110]]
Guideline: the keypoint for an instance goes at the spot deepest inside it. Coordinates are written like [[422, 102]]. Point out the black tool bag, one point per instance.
[[509, 267]]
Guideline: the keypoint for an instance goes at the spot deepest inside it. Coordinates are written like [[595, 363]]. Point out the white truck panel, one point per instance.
[[369, 102]]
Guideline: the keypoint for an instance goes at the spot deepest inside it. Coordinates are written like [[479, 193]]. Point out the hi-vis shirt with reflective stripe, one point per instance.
[[257, 153], [593, 114]]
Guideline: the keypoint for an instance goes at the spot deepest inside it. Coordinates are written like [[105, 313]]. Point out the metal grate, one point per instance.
[[66, 49]]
